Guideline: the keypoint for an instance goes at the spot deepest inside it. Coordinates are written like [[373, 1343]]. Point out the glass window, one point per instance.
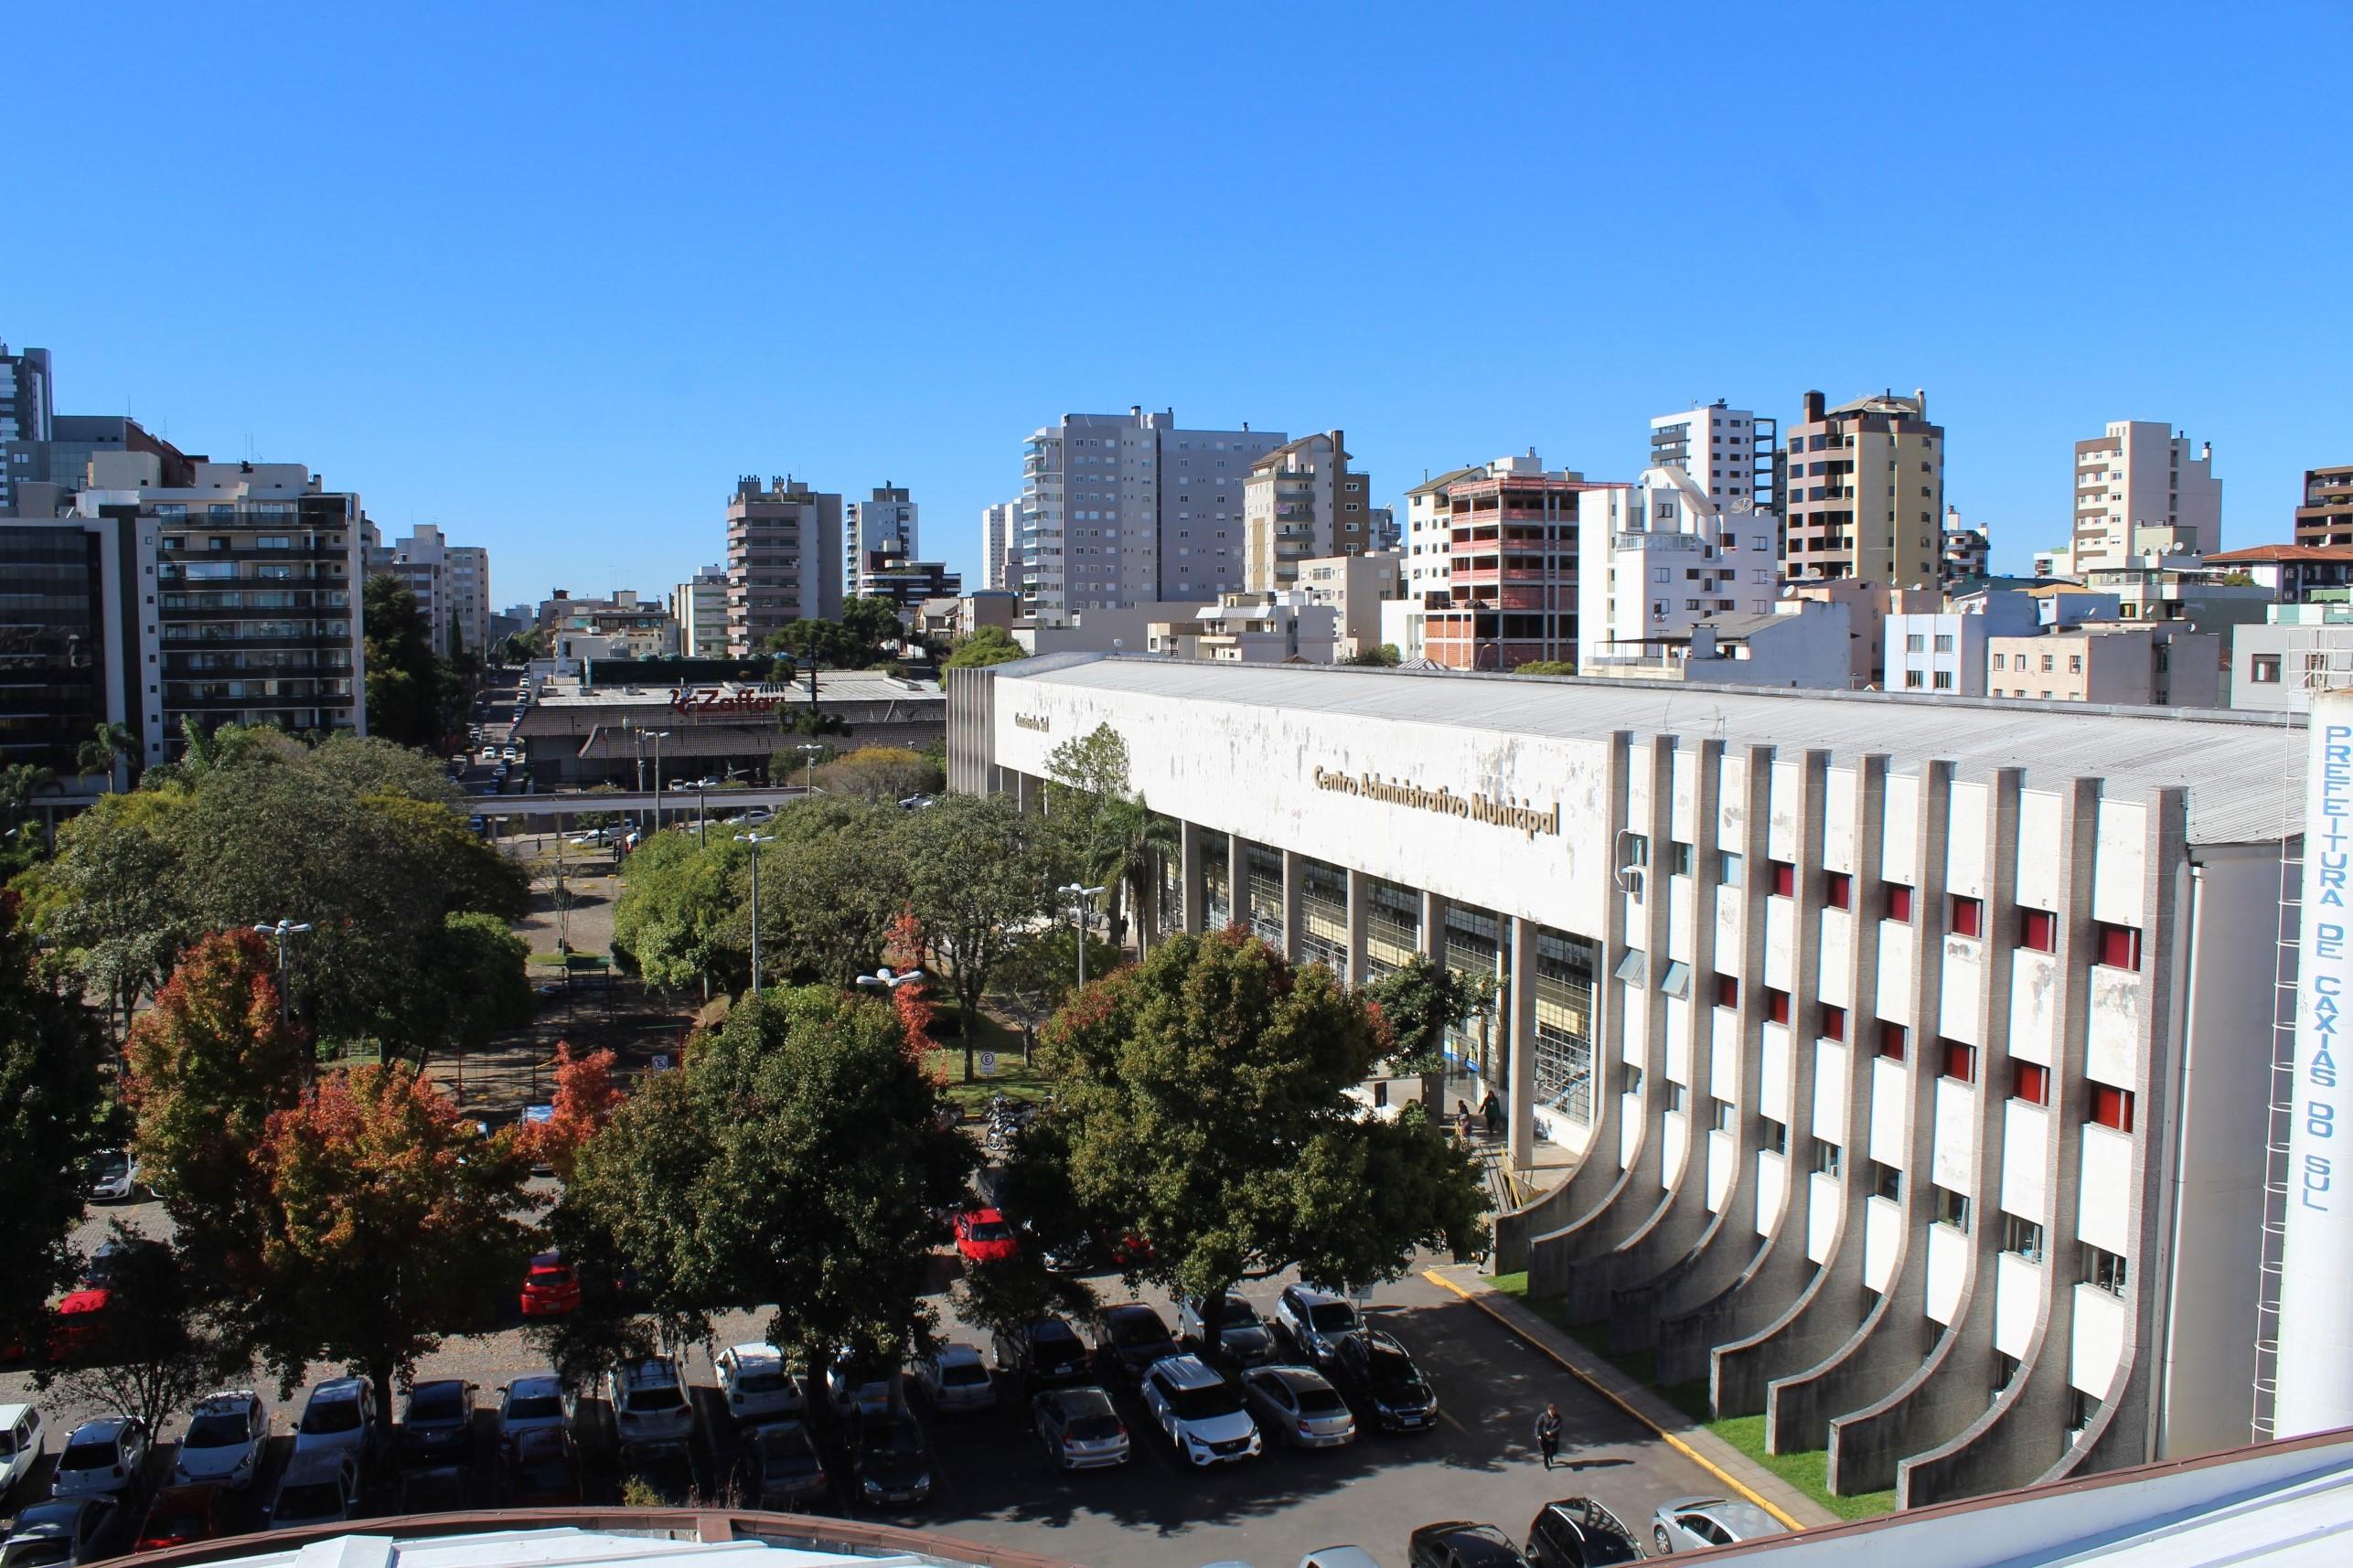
[[2022, 1237], [1677, 980], [1959, 1060], [2031, 1082]]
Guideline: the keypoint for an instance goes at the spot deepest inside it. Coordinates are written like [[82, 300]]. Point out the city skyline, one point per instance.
[[2096, 247]]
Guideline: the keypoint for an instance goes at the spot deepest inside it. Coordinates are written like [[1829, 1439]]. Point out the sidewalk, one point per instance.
[[1736, 1469]]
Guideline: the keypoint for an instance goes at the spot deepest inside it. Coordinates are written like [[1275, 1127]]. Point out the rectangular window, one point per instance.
[[2000, 662], [1777, 1006], [1887, 1182], [1776, 1137], [1784, 879], [1677, 982], [1720, 1115], [1959, 1060], [1912, 681], [2022, 1237], [1829, 1159], [1895, 1041], [2031, 1082], [2265, 670], [1952, 1209], [2111, 1107], [2103, 1270], [1968, 917], [1630, 1078], [1834, 1023], [1727, 991], [1899, 901], [1682, 858], [1731, 869], [2120, 946], [1944, 680], [1838, 890], [1912, 643], [2039, 929]]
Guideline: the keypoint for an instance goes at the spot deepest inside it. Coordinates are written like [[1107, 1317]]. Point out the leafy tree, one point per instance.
[[864, 635], [21, 839], [980, 880], [1419, 1000], [49, 1095], [881, 775], [483, 972], [830, 886], [1039, 973], [585, 1098], [1384, 657], [520, 647], [1130, 841], [669, 923], [404, 679], [1201, 1103], [107, 746], [391, 1224], [983, 646], [156, 1349], [1001, 1295], [1110, 833], [1545, 666]]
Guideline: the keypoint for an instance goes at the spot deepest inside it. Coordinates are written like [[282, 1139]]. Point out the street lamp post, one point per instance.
[[755, 840], [885, 980], [1079, 898], [282, 930], [657, 737], [810, 752]]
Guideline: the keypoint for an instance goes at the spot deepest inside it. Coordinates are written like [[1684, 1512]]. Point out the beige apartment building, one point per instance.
[[2144, 667], [783, 559], [1300, 500], [1354, 587], [2139, 475], [2326, 515], [1865, 487]]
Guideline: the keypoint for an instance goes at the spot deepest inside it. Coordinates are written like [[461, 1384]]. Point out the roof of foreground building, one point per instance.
[[597, 1537]]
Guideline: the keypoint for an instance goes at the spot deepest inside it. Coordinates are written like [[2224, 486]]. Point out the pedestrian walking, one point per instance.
[[1548, 1434], [1493, 1109]]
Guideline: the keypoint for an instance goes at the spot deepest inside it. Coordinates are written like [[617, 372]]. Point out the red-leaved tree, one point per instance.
[[585, 1098]]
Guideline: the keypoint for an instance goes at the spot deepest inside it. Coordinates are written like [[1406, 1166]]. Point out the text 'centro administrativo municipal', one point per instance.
[[1530, 820]]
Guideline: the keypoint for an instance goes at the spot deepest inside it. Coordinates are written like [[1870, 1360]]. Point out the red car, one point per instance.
[[179, 1515], [550, 1289], [983, 1236], [79, 1319]]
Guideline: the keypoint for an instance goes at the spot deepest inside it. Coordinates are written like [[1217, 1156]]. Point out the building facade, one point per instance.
[[1686, 553], [1301, 500], [2139, 474], [71, 642], [1001, 557], [452, 584], [2135, 666], [700, 607], [1909, 1056], [1968, 553], [1358, 589], [883, 524], [784, 560], [2300, 649], [2326, 515], [27, 399], [1512, 595], [1129, 509], [1864, 488]]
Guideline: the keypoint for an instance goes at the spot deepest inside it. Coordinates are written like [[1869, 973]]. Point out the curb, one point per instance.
[[1761, 1487]]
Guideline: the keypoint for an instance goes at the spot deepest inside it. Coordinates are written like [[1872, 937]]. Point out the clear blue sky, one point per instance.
[[552, 277]]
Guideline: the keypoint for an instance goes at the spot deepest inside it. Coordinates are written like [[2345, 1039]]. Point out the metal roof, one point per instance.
[[2242, 771]]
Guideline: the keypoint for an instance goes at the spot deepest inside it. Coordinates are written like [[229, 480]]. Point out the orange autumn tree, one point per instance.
[[585, 1098]]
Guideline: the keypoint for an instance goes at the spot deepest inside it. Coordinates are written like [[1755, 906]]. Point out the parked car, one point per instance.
[[542, 1469], [23, 1440], [1459, 1544], [1374, 1369], [1129, 1338], [316, 1488], [62, 1534], [953, 1377], [531, 1404], [180, 1514], [1199, 1411], [1311, 1324], [74, 1328], [1299, 1406], [756, 1385], [1339, 1557], [339, 1417], [227, 1434], [890, 1461], [550, 1287], [102, 1457], [1080, 1428], [1044, 1350], [437, 1427], [861, 1389], [664, 1468], [1689, 1523], [113, 1176], [649, 1403], [779, 1468], [443, 1489], [1243, 1337], [1578, 1532], [983, 1236]]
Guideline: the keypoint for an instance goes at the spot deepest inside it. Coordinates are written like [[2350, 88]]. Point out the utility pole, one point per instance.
[[755, 840]]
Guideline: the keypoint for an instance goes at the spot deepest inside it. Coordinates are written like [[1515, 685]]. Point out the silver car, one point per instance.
[[953, 1377], [1691, 1523], [1299, 1405], [1080, 1428]]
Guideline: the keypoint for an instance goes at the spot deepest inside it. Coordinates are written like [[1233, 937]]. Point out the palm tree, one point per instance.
[[1132, 840], [19, 782], [108, 742]]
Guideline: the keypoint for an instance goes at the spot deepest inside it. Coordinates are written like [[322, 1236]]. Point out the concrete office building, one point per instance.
[[27, 396], [1000, 556], [1733, 454], [883, 524], [700, 607], [2325, 516], [1301, 500], [1127, 509], [784, 560], [1864, 488], [2139, 475], [1912, 1055], [70, 637], [2300, 647], [1513, 530]]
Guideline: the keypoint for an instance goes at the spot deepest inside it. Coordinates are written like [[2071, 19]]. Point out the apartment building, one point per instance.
[[1131, 508], [2141, 667], [2139, 474], [883, 524], [1299, 500], [2291, 574], [783, 559], [1798, 642], [905, 584], [700, 607], [1968, 553], [26, 403], [1281, 625], [452, 584], [1358, 588], [1733, 454], [624, 623], [1945, 650], [2325, 516], [2299, 649], [1000, 556], [1864, 488], [69, 591], [1513, 538]]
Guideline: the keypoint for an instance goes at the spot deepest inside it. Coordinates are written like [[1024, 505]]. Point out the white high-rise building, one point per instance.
[[1001, 557], [881, 525], [1129, 509], [700, 607], [452, 584], [2139, 475]]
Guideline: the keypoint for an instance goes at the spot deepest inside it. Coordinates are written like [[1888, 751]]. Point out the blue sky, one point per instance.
[[554, 277]]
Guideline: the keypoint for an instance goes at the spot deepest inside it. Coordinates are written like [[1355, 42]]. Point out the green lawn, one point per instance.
[[1807, 1471], [1013, 1077]]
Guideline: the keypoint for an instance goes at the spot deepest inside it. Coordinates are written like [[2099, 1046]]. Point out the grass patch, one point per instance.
[[1012, 1077], [1809, 1471]]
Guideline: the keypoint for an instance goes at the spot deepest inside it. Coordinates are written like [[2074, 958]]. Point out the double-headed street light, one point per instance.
[[1080, 898], [755, 840], [885, 981], [282, 930]]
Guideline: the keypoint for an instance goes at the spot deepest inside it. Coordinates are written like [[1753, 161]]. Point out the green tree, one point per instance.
[[1419, 1000], [108, 746], [863, 637], [49, 1095], [1131, 842], [830, 886], [880, 775], [1108, 830], [979, 882], [1201, 1104], [482, 973], [1384, 657], [21, 841], [404, 679], [669, 925], [983, 646]]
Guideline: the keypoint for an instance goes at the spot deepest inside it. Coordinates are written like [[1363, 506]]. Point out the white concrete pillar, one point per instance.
[[1360, 899], [1196, 891], [1520, 1008], [1294, 901]]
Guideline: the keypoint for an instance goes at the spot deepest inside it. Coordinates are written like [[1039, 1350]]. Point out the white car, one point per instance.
[[1200, 1411], [113, 1176], [318, 1488], [339, 1417], [650, 1407], [1691, 1524], [227, 1434], [102, 1458], [23, 1439], [953, 1377], [1299, 1406], [756, 1385], [869, 1396], [529, 1403]]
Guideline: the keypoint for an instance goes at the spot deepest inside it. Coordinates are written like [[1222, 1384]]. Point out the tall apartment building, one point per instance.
[[783, 559], [452, 584], [1429, 536], [1863, 487], [2326, 515], [1731, 454], [883, 524], [2139, 475], [1000, 554], [1705, 541], [26, 397], [1512, 571], [1130, 509], [700, 607], [1300, 500]]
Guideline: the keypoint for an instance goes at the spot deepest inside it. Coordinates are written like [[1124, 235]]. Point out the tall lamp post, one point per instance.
[[657, 737], [810, 752], [885, 981], [755, 840], [1079, 897], [282, 930]]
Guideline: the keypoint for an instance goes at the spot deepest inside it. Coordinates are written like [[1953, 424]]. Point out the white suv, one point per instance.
[[756, 1385], [22, 1439], [649, 1403], [1199, 1411], [227, 1435], [338, 1417]]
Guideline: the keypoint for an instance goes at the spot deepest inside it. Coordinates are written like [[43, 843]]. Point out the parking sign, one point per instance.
[[988, 1064]]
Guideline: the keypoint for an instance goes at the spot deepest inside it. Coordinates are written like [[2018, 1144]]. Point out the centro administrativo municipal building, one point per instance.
[[1913, 1057]]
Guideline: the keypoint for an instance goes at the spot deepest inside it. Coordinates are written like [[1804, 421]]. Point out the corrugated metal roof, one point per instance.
[[2242, 771]]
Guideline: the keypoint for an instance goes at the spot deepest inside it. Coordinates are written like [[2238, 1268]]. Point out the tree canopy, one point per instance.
[[880, 775], [404, 679], [983, 646], [48, 1097], [1419, 1000], [980, 880], [865, 635]]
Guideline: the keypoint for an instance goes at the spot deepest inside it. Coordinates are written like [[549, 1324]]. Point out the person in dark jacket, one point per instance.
[[1548, 1433], [1493, 1109]]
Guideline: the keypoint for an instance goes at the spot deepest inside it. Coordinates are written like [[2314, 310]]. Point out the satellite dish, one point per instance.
[[1742, 504]]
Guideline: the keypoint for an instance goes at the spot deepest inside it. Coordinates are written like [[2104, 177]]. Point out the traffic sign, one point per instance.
[[988, 1064], [662, 1063]]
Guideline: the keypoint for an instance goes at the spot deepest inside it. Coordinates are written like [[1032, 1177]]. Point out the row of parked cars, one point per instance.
[[1579, 1533]]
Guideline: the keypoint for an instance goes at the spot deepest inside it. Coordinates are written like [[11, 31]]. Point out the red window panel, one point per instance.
[[1899, 901], [1777, 1004], [1961, 1061], [1968, 917], [2120, 946], [1727, 991], [1895, 1041], [2111, 1107], [2030, 1083], [1840, 891], [2039, 929], [1784, 879], [1834, 1023]]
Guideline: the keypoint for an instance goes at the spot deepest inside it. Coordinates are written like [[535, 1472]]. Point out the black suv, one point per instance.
[[1047, 1350], [1459, 1544], [1578, 1532], [1372, 1369]]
